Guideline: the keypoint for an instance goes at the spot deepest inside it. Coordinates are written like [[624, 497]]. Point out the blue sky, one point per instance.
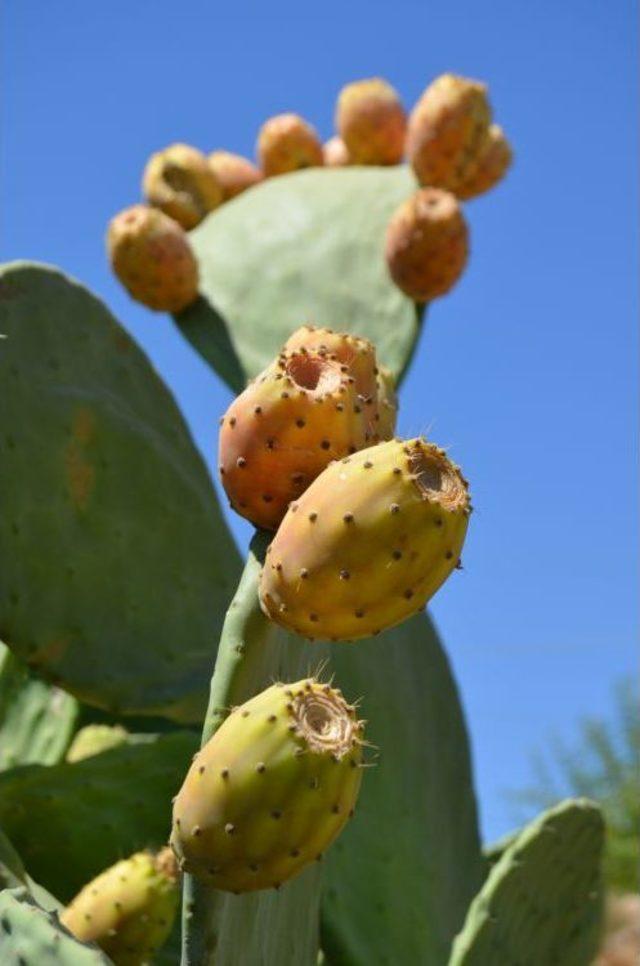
[[527, 371]]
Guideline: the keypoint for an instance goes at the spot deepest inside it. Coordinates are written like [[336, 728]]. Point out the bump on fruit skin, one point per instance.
[[372, 122], [234, 173], [287, 143], [427, 244], [129, 909], [150, 254], [303, 411], [375, 536], [494, 159], [335, 153], [180, 182], [446, 129], [271, 790]]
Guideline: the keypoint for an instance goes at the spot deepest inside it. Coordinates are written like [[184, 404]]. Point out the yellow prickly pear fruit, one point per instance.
[[287, 143], [427, 244], [271, 790], [302, 412], [129, 909], [94, 739], [371, 121], [387, 403], [494, 159], [368, 543], [335, 153], [234, 173], [180, 182], [150, 254], [446, 129]]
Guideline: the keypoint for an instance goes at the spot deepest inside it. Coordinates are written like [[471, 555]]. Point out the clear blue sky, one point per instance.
[[527, 370]]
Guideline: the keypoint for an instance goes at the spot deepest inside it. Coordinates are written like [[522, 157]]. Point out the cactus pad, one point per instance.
[[541, 902], [315, 242], [29, 936], [116, 563]]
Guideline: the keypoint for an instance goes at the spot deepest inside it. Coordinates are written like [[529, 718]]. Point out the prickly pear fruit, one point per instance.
[[302, 412], [427, 244], [371, 121], [446, 129], [180, 182], [150, 254], [129, 909], [286, 143], [387, 403], [234, 173], [271, 789], [94, 739], [493, 161], [335, 153], [368, 543]]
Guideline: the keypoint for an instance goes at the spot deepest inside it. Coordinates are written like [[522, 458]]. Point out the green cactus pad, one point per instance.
[[36, 719], [301, 248], [29, 936], [399, 880], [541, 901], [13, 875], [94, 811], [116, 563]]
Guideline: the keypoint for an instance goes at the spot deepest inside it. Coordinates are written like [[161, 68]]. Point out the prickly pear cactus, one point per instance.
[[129, 909], [36, 719], [542, 900], [272, 788], [14, 875], [29, 936], [316, 240], [120, 621], [94, 739], [95, 810]]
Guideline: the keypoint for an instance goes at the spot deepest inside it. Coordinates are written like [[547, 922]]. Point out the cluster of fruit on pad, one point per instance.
[[449, 140]]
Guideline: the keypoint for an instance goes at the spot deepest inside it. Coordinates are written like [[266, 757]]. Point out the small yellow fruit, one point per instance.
[[234, 173], [427, 244], [150, 254], [494, 159], [287, 143], [371, 121], [180, 182], [335, 153]]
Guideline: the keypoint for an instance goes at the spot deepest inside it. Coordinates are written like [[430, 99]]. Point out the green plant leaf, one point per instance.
[[29, 936], [300, 248], [116, 563], [400, 878]]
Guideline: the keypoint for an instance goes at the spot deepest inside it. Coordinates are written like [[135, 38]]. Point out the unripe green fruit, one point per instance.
[[387, 403], [150, 254], [271, 790], [234, 173], [494, 159], [371, 121], [446, 129], [368, 543], [288, 143], [180, 182], [427, 244], [129, 909]]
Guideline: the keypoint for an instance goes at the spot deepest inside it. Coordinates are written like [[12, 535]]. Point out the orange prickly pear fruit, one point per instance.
[[493, 161], [427, 244], [368, 543], [150, 254], [446, 130], [302, 412], [271, 790], [234, 173], [180, 182], [129, 909], [287, 143], [335, 153], [372, 122]]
